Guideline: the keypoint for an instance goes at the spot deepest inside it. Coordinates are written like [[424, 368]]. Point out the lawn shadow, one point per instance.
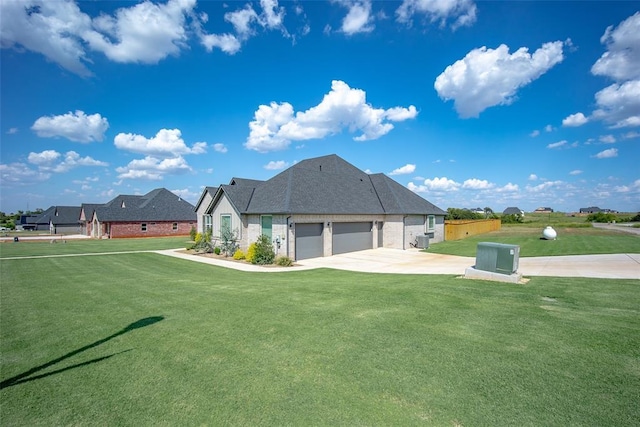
[[21, 378]]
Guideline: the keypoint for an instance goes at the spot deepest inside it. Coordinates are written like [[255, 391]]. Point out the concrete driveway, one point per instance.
[[382, 260], [395, 261]]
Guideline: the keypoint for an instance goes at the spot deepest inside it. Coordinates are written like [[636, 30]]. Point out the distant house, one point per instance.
[[59, 220], [27, 222], [544, 210], [590, 210], [323, 206], [513, 211], [157, 213], [595, 209]]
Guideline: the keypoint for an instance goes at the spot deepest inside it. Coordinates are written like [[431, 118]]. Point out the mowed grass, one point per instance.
[[63, 246], [570, 241], [216, 346]]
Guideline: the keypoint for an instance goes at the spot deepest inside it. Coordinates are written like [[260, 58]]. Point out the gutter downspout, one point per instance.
[[404, 232], [288, 237]]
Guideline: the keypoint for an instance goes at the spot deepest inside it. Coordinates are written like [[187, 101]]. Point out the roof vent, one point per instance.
[[122, 204]]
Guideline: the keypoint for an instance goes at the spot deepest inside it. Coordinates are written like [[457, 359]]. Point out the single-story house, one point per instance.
[[27, 222], [544, 210], [513, 211], [59, 220], [157, 213], [324, 206]]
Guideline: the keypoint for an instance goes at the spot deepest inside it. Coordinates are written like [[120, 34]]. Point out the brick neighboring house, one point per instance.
[[321, 207], [157, 213], [59, 220]]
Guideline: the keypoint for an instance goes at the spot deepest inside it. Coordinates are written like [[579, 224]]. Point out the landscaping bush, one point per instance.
[[251, 253], [264, 253], [602, 217], [511, 219], [228, 241], [217, 250], [238, 255], [284, 261], [197, 238], [192, 233]]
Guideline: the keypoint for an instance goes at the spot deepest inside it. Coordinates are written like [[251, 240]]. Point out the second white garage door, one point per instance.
[[351, 236]]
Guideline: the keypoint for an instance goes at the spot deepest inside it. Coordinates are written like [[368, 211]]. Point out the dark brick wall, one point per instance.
[[154, 229]]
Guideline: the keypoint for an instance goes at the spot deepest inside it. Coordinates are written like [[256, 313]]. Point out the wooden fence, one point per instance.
[[456, 229]]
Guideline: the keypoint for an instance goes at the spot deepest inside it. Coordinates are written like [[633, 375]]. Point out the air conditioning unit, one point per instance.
[[423, 241], [497, 257]]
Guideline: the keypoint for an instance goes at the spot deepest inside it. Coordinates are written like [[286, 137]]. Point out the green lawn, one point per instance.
[[214, 346], [84, 246], [570, 241]]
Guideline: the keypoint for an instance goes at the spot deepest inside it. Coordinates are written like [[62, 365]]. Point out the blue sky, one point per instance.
[[469, 104]]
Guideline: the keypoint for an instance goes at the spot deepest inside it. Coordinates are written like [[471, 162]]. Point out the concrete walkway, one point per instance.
[[395, 261]]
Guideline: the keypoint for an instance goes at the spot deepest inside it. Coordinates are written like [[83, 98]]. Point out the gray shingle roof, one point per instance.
[[512, 211], [60, 215], [328, 185], [157, 205]]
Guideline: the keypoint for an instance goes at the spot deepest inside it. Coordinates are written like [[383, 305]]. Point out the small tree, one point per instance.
[[264, 253], [229, 241]]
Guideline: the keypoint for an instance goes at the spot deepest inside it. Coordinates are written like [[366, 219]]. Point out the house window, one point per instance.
[[175, 226], [225, 223], [431, 223], [266, 223], [206, 223], [143, 226]]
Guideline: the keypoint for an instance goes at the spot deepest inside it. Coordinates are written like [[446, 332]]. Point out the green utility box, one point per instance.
[[497, 257]]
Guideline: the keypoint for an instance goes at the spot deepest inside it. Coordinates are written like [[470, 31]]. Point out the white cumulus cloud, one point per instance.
[[459, 12], [607, 154], [358, 19], [21, 174], [146, 32], [619, 104], [167, 143], [276, 165], [621, 61], [48, 161], [44, 157], [441, 184], [406, 169], [220, 148], [574, 120], [477, 184], [488, 77], [575, 172], [77, 127], [275, 125], [153, 168]]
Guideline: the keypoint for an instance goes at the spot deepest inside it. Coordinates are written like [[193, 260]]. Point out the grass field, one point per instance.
[[570, 241], [142, 339], [87, 246]]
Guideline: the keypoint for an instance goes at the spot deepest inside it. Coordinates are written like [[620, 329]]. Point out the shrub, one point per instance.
[[198, 238], [192, 233], [511, 219], [264, 251], [238, 255], [228, 241], [251, 253], [217, 250], [601, 217], [284, 261]]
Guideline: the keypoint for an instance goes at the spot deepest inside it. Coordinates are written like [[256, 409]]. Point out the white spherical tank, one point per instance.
[[549, 233]]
